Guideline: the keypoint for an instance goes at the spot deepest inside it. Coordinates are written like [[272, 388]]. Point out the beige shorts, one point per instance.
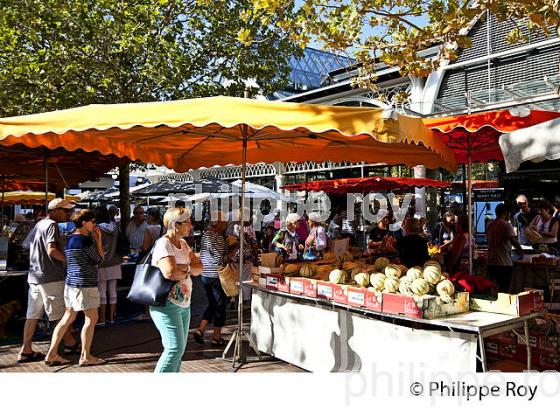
[[81, 298], [46, 298]]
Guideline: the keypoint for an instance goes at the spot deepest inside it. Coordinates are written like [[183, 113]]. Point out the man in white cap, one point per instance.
[[46, 278]]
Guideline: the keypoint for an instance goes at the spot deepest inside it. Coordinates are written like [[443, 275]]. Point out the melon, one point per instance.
[[307, 270], [377, 281], [432, 263], [347, 257], [414, 273], [391, 285], [290, 269], [393, 271], [322, 272], [362, 279], [381, 263], [337, 276], [446, 290], [404, 286], [350, 266], [419, 287], [432, 274]]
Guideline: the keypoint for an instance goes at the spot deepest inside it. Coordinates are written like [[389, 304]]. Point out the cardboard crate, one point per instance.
[[310, 288], [514, 305], [324, 290], [539, 359], [340, 293], [277, 282], [265, 270], [356, 296], [373, 301], [424, 307], [543, 342], [508, 337], [297, 286], [501, 350]]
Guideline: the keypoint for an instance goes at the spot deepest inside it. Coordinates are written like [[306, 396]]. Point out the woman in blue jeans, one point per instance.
[[173, 257]]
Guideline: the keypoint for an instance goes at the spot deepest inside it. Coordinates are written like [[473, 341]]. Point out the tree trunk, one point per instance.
[[124, 185]]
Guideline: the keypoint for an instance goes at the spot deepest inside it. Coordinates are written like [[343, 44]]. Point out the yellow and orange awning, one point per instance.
[[189, 134]]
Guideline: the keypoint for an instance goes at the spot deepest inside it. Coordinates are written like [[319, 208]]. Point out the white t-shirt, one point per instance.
[[180, 293]]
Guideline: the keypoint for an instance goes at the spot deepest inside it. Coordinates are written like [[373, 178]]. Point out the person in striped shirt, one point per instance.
[[84, 251], [212, 256]]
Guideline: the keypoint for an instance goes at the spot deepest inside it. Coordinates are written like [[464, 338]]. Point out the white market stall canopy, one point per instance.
[[537, 143]]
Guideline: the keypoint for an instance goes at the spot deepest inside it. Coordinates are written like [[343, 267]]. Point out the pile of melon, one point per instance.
[[391, 278]]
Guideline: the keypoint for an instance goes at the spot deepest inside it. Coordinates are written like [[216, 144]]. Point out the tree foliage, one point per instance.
[[63, 53], [396, 31]]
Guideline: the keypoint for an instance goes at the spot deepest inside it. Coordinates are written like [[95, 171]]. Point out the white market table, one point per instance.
[[322, 336]]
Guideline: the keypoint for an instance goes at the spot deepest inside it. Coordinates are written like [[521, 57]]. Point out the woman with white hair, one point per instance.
[[173, 256], [287, 242], [316, 241]]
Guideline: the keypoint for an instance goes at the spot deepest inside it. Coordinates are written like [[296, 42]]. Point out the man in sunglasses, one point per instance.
[[523, 219]]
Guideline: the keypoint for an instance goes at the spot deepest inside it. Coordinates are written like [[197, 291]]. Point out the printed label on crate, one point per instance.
[[411, 307], [356, 297], [271, 282], [310, 289], [324, 291], [372, 301], [338, 294], [296, 286]]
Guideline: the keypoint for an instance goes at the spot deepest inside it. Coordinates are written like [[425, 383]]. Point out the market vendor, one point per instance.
[[286, 242], [381, 239], [545, 226], [316, 241], [413, 248]]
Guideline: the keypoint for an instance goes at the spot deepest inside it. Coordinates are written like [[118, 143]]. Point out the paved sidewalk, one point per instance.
[[136, 347]]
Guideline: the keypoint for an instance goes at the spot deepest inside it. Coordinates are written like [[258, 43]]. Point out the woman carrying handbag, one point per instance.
[[173, 256]]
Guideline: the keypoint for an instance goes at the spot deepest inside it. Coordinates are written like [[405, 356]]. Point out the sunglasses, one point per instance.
[[521, 203], [183, 222]]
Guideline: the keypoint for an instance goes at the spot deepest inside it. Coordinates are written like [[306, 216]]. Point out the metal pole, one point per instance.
[[469, 203], [241, 248], [46, 167], [3, 191]]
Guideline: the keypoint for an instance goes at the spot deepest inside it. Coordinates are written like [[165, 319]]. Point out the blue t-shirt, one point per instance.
[[82, 259]]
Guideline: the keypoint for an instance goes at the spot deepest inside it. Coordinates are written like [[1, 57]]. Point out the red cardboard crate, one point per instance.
[[277, 282], [401, 305], [508, 337], [324, 290], [541, 341], [297, 286], [374, 301], [540, 359], [426, 307], [356, 296], [310, 288], [340, 293]]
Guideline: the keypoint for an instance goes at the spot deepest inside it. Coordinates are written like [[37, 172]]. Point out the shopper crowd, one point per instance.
[[76, 269]]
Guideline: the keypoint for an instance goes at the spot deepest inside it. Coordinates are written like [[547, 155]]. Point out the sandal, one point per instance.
[[30, 357], [59, 361], [198, 337], [219, 342], [93, 362], [75, 348]]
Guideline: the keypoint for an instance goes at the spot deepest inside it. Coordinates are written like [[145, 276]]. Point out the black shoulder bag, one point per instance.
[[149, 287]]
